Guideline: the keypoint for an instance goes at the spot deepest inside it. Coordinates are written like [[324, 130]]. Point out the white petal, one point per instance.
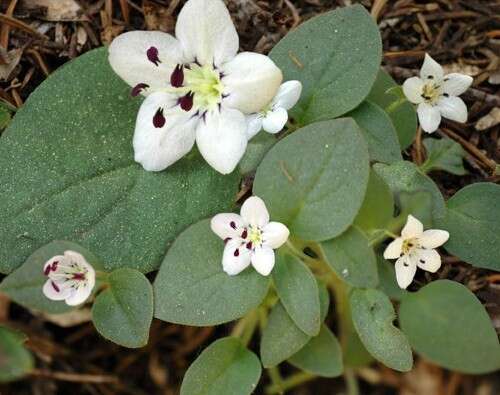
[[429, 117], [432, 69], [251, 81], [206, 32], [263, 260], [455, 83], [235, 262], [77, 258], [288, 94], [50, 291], [128, 58], [222, 139], [254, 212], [78, 296], [433, 238], [453, 108], [275, 120], [413, 228], [57, 258], [394, 249], [275, 234], [227, 225], [254, 124], [412, 88], [428, 260], [156, 148], [405, 271]]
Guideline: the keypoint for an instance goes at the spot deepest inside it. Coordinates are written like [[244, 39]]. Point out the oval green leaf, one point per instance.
[[225, 367], [447, 324], [192, 289], [15, 360], [444, 154], [321, 169]]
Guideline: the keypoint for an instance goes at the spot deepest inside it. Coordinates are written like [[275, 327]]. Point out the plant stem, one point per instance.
[[245, 327], [291, 382], [276, 380], [351, 382]]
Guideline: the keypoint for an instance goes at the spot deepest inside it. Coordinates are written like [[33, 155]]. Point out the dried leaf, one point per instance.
[[56, 10], [489, 120], [8, 62]]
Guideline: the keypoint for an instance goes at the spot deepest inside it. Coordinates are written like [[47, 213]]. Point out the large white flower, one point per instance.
[[436, 95], [249, 237], [197, 87], [70, 278], [275, 115], [415, 248]]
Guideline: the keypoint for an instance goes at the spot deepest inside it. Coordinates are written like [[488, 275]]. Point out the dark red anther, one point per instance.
[[78, 276], [56, 288], [244, 234], [226, 240], [47, 270], [138, 88], [232, 224], [237, 252], [54, 266], [158, 119], [177, 76], [249, 245], [152, 54], [186, 102]]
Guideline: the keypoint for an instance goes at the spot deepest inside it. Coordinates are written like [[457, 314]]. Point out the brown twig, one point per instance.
[[75, 377], [16, 23], [4, 32]]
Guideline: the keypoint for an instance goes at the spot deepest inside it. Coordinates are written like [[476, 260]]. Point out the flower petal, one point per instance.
[[453, 108], [413, 228], [275, 234], [394, 249], [254, 212], [429, 260], [288, 94], [433, 238], [254, 124], [227, 225], [405, 271], [412, 88], [158, 146], [275, 120], [431, 70], [78, 296], [263, 260], [222, 139], [55, 291], [236, 257], [429, 117], [49, 266], [251, 81], [128, 56], [206, 32], [455, 83]]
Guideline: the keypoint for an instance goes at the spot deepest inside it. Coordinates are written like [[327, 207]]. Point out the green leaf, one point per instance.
[[281, 338], [337, 68], [446, 323], [24, 285], [225, 367], [473, 220], [15, 360], [257, 148], [387, 276], [379, 132], [324, 300], [321, 356], [123, 312], [405, 176], [402, 114], [373, 314], [444, 154], [321, 169], [4, 117], [352, 258], [378, 206], [192, 289], [67, 172], [298, 292], [417, 203]]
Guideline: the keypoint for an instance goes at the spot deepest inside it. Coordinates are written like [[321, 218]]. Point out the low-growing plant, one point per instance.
[[333, 202]]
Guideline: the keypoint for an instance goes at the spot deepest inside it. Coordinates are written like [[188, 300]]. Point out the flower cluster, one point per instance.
[[199, 89]]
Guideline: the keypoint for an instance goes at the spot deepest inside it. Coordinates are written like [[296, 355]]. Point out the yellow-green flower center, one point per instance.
[[255, 235], [408, 245], [431, 92], [206, 85]]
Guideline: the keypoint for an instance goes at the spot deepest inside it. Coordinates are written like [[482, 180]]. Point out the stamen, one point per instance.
[[56, 288], [422, 261], [244, 234], [226, 240], [237, 252], [430, 77], [138, 88], [446, 95], [186, 102], [249, 245], [78, 276], [158, 119], [152, 54], [54, 266], [177, 77], [47, 270], [232, 224]]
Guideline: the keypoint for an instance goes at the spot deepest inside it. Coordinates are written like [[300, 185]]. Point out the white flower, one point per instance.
[[415, 248], [70, 278], [197, 87], [275, 115], [249, 237], [436, 95]]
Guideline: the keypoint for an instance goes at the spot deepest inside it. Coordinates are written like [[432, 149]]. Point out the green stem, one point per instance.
[[291, 382], [426, 167], [351, 382], [394, 105], [276, 380], [245, 327]]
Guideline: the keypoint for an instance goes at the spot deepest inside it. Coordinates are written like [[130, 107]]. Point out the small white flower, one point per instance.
[[70, 278], [197, 87], [415, 248], [249, 237], [275, 115], [437, 95]]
